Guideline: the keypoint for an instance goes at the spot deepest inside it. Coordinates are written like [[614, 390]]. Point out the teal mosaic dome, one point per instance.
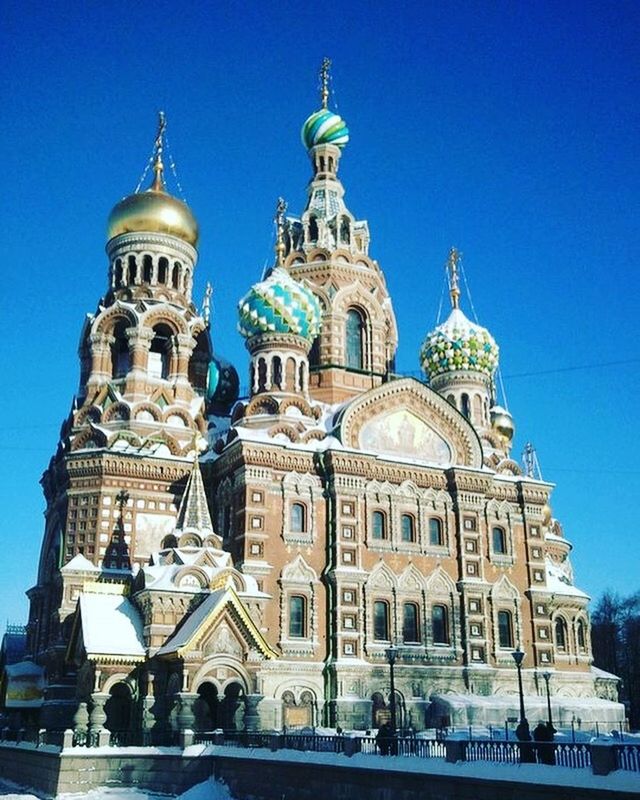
[[324, 127], [279, 304], [459, 344]]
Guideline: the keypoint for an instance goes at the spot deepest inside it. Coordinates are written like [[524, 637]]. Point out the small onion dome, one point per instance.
[[547, 514], [223, 385], [458, 344], [153, 211], [502, 422], [279, 304], [324, 127]]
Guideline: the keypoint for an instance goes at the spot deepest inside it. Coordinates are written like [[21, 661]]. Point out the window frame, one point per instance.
[[381, 604], [445, 638], [293, 528], [415, 626], [440, 526], [499, 534], [379, 514], [351, 356], [411, 531], [300, 616], [505, 643]]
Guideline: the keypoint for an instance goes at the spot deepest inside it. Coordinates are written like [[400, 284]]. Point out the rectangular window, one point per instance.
[[505, 629], [499, 541], [297, 616], [469, 523], [378, 527], [381, 621], [407, 528], [435, 532], [440, 624], [410, 628]]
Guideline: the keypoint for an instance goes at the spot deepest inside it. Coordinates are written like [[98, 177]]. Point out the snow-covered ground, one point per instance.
[[209, 790]]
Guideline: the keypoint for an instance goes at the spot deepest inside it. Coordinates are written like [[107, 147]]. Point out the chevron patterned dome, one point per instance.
[[279, 304], [459, 344]]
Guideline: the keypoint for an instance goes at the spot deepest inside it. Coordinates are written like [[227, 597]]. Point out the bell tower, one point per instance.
[[329, 249]]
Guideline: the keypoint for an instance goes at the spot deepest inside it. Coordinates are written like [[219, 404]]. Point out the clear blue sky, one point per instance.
[[507, 129]]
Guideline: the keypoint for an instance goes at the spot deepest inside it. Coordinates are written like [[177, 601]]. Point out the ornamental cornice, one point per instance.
[[126, 242], [371, 467], [277, 340], [535, 493], [127, 466], [445, 380], [467, 481]]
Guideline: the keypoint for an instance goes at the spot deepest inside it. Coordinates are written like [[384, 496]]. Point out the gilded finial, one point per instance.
[[158, 166], [281, 207], [452, 269], [206, 303], [324, 81]]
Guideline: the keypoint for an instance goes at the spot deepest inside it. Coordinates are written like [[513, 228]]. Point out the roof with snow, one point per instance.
[[111, 626]]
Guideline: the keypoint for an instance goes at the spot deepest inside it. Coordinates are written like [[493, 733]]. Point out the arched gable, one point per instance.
[[408, 419]]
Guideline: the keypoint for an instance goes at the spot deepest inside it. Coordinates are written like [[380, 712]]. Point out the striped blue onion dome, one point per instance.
[[459, 344], [279, 304], [324, 127]]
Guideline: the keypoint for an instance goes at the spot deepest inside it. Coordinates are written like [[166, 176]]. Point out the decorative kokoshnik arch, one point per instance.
[[406, 418]]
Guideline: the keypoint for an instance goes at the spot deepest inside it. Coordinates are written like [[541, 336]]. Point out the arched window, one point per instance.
[[297, 616], [262, 375], [381, 621], [277, 372], [314, 353], [313, 229], [561, 633], [297, 520], [133, 270], [120, 357], [451, 399], [505, 629], [464, 405], [378, 525], [160, 352], [354, 339], [175, 276], [580, 635], [498, 540], [117, 280], [147, 269], [440, 624], [410, 627], [345, 230], [435, 532], [169, 541], [163, 270], [407, 528]]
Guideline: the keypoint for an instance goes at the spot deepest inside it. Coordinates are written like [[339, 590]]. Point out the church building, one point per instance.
[[210, 561]]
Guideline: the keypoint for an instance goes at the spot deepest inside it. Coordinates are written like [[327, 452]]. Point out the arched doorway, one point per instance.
[[381, 710], [231, 712], [118, 709], [206, 708]]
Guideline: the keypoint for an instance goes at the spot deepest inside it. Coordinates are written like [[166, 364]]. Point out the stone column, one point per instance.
[[81, 718], [186, 716], [251, 715], [97, 717], [100, 358], [184, 344], [139, 343]]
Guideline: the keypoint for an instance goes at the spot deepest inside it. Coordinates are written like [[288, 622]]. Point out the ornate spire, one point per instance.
[[158, 147], [324, 82], [206, 303], [281, 207], [452, 270], [193, 515]]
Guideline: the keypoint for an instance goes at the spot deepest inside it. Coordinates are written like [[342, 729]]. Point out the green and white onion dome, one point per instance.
[[459, 344], [324, 127], [279, 304]]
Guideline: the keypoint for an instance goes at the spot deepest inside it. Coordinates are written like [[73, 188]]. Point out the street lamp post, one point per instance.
[[547, 676], [524, 733], [392, 654]]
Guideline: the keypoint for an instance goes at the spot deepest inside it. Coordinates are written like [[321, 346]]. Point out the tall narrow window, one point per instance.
[[313, 229], [381, 621], [147, 268], [499, 540], [378, 527], [410, 629], [561, 634], [505, 629], [277, 372], [297, 521], [580, 637], [297, 616], [160, 352], [120, 358], [464, 405], [440, 624], [354, 337], [435, 531], [407, 528]]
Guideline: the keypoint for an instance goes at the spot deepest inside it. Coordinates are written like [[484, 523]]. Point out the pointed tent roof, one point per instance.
[[193, 514]]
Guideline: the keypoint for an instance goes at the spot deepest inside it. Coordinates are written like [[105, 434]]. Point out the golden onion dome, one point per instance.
[[154, 210], [547, 514], [502, 422]]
